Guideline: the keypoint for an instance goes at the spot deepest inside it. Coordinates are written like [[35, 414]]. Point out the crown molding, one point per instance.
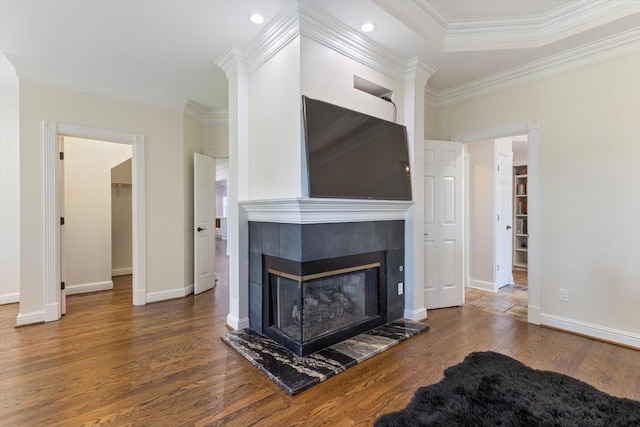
[[607, 49], [204, 115], [335, 35], [303, 19], [281, 31], [507, 33], [27, 70], [421, 17], [583, 15]]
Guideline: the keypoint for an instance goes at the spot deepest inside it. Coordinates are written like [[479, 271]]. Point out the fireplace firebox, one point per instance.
[[312, 305]]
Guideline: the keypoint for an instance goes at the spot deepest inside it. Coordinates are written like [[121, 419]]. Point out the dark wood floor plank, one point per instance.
[[107, 362]]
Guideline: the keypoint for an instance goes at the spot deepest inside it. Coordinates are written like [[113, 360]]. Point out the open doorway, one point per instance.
[[96, 204], [53, 233], [222, 204], [485, 290]]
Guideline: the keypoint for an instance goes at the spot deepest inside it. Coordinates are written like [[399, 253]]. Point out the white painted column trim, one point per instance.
[[236, 69], [417, 75]]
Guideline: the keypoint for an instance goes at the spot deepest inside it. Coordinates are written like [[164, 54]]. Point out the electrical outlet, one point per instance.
[[564, 295], [400, 288]]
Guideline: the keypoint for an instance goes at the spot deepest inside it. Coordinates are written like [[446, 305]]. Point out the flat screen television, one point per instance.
[[354, 155]]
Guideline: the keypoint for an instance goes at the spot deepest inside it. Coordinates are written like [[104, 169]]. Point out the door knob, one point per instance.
[[508, 227], [200, 229]]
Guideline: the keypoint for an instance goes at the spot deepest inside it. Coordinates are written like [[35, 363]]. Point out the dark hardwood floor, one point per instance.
[[109, 363]]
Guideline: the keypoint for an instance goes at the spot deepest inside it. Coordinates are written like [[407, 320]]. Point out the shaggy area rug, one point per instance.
[[492, 389]]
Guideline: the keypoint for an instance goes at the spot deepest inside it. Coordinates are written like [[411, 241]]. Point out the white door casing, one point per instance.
[[63, 292], [532, 128], [204, 217], [443, 224], [503, 236], [52, 256]]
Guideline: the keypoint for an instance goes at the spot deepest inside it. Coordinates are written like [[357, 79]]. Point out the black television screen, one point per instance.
[[354, 155]]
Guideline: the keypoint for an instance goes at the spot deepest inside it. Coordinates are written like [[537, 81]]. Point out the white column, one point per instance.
[[235, 67], [416, 78]]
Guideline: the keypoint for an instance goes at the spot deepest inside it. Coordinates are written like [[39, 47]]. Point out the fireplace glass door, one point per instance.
[[310, 309]]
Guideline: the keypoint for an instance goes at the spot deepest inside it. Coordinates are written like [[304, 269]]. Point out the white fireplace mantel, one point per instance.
[[319, 211]]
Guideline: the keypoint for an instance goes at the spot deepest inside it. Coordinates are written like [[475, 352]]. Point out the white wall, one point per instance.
[[589, 189], [274, 134], [121, 219], [481, 207], [164, 154], [87, 210], [9, 184]]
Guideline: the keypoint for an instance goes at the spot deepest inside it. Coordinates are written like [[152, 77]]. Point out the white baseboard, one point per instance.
[[121, 271], [84, 288], [235, 323], [595, 331], [139, 298], [533, 314], [416, 315], [30, 318], [9, 298], [169, 294], [480, 284]]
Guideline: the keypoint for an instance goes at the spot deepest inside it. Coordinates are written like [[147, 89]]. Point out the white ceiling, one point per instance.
[[167, 50]]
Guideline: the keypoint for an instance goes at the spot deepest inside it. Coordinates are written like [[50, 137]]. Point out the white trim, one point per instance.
[[532, 129], [27, 70], [591, 330], [416, 315], [121, 271], [84, 288], [481, 284], [303, 19], [169, 294], [450, 35], [9, 298], [53, 308], [314, 211], [51, 133], [281, 31], [30, 318], [607, 49], [237, 324], [341, 38], [204, 115]]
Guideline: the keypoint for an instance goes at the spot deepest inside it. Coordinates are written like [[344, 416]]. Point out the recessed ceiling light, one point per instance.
[[256, 18], [367, 27]]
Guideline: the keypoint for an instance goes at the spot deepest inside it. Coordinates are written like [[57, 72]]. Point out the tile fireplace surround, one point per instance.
[[304, 230]]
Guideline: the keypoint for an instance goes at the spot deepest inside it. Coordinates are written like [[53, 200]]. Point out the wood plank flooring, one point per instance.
[[109, 363]]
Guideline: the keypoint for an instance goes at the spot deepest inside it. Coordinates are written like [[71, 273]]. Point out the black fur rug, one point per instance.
[[492, 389]]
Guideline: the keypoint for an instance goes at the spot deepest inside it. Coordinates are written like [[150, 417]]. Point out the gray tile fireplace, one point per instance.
[[314, 284]]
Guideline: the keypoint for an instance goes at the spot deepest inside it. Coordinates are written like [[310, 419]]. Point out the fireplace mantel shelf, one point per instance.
[[316, 210]]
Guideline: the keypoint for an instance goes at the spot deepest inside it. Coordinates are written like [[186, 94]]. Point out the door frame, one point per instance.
[[52, 131], [532, 129]]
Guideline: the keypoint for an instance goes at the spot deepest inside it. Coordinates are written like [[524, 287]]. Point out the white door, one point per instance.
[[204, 233], [504, 239], [443, 224], [63, 292]]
